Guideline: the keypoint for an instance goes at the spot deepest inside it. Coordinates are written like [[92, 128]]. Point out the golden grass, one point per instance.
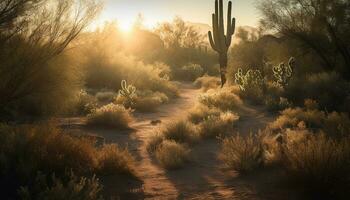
[[181, 131], [110, 116], [172, 155]]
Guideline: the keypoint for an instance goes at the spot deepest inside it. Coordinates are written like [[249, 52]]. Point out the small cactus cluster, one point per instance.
[[217, 38], [253, 78], [128, 92], [283, 73]]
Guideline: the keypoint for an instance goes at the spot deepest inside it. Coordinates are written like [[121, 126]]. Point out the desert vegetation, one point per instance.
[[123, 109]]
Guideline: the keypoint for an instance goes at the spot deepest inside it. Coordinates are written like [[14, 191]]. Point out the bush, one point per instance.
[[181, 131], [207, 82], [251, 84], [74, 188], [154, 141], [214, 126], [328, 89], [110, 116], [190, 72], [25, 150], [225, 99], [85, 104], [200, 112], [172, 155], [105, 97], [243, 154], [113, 160], [334, 124], [318, 162]]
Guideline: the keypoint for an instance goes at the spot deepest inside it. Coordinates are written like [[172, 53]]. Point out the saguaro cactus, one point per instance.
[[218, 40]]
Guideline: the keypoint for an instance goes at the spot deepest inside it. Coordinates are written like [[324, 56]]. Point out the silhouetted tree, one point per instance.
[[321, 25]]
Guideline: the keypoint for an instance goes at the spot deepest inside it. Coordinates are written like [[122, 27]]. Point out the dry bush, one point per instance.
[[189, 72], [25, 150], [319, 162], [224, 99], [181, 131], [85, 103], [328, 89], [113, 160], [335, 124], [200, 112], [80, 188], [172, 155], [207, 82], [243, 154], [149, 101], [105, 96], [154, 141], [214, 126], [110, 116]]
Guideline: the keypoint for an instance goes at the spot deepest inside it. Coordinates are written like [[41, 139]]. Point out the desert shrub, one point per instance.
[[334, 124], [145, 101], [243, 154], [207, 82], [251, 84], [172, 155], [200, 112], [328, 89], [26, 150], [276, 104], [105, 96], [181, 131], [154, 141], [283, 73], [85, 104], [213, 126], [110, 116], [225, 99], [319, 162], [79, 188], [113, 160], [190, 72]]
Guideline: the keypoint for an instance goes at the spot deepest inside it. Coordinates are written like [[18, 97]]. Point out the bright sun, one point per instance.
[[125, 25]]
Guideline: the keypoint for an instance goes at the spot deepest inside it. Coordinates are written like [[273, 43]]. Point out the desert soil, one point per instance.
[[204, 177]]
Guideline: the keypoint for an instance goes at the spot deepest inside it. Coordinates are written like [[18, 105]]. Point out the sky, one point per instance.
[[156, 11]]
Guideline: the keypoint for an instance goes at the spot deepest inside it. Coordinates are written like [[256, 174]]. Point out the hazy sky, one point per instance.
[[154, 11]]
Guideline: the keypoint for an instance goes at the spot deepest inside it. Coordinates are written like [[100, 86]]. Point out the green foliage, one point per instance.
[[283, 73], [218, 40], [129, 92]]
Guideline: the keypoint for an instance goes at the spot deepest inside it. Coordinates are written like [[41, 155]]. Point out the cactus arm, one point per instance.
[[212, 43]]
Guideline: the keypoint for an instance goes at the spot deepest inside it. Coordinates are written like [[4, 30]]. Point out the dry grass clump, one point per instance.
[[200, 112], [319, 162], [181, 131], [25, 150], [113, 160], [243, 154], [154, 141], [334, 123], [172, 155], [214, 126], [110, 116], [225, 99], [207, 82]]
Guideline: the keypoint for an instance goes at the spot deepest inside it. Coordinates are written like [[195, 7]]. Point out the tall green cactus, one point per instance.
[[218, 40]]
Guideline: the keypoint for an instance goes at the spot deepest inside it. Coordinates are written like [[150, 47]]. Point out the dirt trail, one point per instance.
[[204, 177]]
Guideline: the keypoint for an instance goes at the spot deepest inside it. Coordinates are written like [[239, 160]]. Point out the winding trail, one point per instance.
[[202, 178]]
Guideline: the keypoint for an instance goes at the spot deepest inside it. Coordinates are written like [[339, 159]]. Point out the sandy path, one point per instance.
[[202, 178]]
